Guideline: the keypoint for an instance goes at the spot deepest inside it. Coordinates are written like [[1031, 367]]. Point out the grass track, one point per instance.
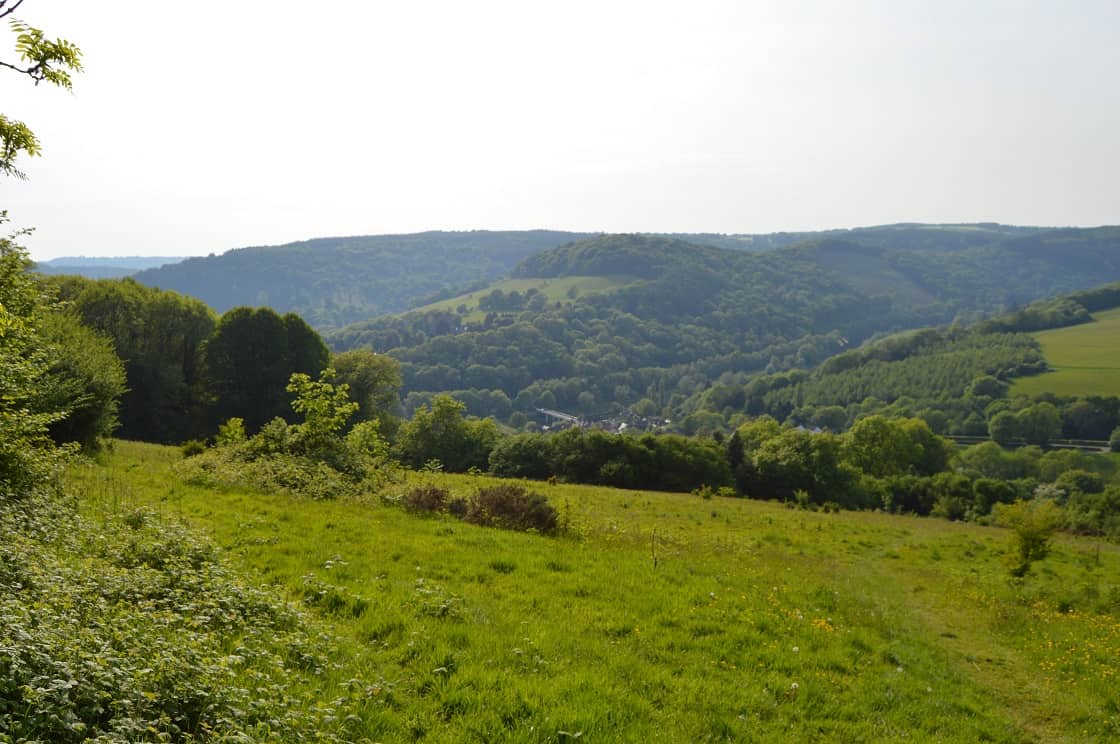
[[672, 618], [1085, 358]]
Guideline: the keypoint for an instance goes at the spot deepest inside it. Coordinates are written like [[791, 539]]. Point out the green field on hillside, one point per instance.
[[667, 617], [559, 289], [1085, 359]]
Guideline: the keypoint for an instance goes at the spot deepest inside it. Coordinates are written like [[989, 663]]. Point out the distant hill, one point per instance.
[[648, 321], [335, 281], [103, 268]]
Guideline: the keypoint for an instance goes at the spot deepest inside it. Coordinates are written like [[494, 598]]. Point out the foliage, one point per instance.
[[685, 316], [314, 458], [250, 358], [441, 432], [127, 628], [1033, 523], [159, 336], [84, 377], [42, 60], [26, 457], [374, 381]]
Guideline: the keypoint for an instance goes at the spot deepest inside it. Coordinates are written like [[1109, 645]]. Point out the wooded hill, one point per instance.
[[334, 281], [676, 317], [331, 282]]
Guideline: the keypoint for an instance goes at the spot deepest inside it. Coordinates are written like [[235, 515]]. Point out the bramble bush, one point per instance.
[[130, 629]]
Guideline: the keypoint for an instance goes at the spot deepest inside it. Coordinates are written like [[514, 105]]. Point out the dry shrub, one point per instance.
[[512, 507], [426, 498]]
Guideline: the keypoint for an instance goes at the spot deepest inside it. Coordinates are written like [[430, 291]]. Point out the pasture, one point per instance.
[[665, 617], [1085, 359]]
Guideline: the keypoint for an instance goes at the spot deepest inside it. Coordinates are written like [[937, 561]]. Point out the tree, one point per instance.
[[42, 60], [24, 445], [84, 377], [250, 359], [1114, 440], [1033, 523], [375, 382], [159, 335], [1003, 428], [1040, 423], [440, 432]]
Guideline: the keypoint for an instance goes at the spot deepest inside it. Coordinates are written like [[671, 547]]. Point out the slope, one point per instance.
[[1085, 359], [666, 617]]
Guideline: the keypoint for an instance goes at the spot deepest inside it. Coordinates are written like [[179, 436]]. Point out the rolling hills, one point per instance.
[[673, 317], [335, 281]]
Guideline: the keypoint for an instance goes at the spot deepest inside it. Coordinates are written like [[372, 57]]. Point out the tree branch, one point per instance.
[[4, 12]]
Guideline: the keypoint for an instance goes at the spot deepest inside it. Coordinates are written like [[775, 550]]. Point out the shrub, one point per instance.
[[192, 447], [426, 498], [1033, 523], [512, 507]]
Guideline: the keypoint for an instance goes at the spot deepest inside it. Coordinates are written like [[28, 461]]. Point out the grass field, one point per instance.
[[1085, 359], [667, 617], [555, 290]]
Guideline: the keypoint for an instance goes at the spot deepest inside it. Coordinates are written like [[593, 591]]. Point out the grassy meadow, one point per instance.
[[665, 617], [1085, 359], [559, 289]]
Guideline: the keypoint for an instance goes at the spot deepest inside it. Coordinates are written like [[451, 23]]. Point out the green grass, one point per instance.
[[1085, 359], [668, 617], [555, 290]]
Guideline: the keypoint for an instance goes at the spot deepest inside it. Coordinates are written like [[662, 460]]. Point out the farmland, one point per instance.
[[665, 616], [1085, 359]]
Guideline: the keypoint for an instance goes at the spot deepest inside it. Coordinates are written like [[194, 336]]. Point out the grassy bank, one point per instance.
[[668, 617]]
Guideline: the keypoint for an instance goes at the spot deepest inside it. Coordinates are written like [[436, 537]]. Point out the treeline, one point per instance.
[[169, 369]]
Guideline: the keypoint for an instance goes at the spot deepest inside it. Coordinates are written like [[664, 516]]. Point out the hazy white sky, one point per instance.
[[199, 127]]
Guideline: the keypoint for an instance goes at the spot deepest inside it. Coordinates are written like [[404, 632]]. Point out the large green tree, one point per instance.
[[250, 359], [159, 335]]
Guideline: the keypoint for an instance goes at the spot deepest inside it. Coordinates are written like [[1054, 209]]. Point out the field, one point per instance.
[[560, 289], [667, 617], [1085, 359]]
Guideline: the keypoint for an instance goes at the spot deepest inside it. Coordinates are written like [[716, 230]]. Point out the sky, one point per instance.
[[200, 127]]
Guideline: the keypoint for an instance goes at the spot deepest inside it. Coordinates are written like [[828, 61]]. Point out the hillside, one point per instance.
[[954, 377], [662, 617], [334, 281], [679, 316], [1084, 359]]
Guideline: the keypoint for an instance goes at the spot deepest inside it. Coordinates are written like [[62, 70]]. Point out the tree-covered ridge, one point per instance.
[[334, 281], [696, 315]]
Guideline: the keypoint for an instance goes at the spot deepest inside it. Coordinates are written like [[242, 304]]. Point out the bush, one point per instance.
[[512, 507], [426, 499], [192, 447]]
